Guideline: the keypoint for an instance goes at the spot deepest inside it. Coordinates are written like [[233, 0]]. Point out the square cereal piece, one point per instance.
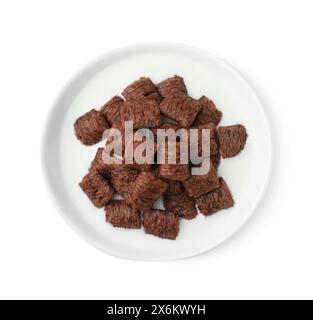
[[162, 224], [181, 108], [181, 204], [142, 89], [97, 188], [112, 110], [99, 166], [143, 113], [220, 198], [214, 148], [172, 86], [145, 191], [198, 185], [209, 112], [89, 127], [123, 176], [232, 140], [172, 171], [119, 214]]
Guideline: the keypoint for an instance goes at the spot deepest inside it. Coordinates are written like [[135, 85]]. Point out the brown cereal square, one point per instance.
[[97, 188], [171, 86], [209, 112], [161, 223], [143, 113], [232, 140], [181, 108], [123, 176], [146, 189], [218, 199], [89, 127], [119, 214], [181, 204], [142, 89], [197, 185]]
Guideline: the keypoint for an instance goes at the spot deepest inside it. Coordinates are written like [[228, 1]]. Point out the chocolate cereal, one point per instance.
[[232, 140], [142, 89], [89, 128], [146, 189], [119, 214], [162, 224], [172, 86], [181, 204], [97, 188], [209, 112], [163, 171], [220, 198], [143, 113], [180, 108]]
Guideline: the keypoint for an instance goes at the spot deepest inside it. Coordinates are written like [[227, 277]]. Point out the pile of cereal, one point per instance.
[[166, 105]]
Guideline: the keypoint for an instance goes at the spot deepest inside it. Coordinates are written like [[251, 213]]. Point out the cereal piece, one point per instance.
[[177, 171], [181, 204], [175, 187], [99, 166], [112, 110], [145, 191], [198, 185], [216, 200], [161, 223], [89, 127], [123, 176], [214, 149], [143, 113], [232, 140], [172, 86], [142, 88], [120, 214], [97, 188], [209, 112], [181, 108]]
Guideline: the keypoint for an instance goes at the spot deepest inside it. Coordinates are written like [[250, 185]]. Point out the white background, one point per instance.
[[43, 43]]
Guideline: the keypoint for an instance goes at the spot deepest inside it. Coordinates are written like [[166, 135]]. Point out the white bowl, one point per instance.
[[66, 160]]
